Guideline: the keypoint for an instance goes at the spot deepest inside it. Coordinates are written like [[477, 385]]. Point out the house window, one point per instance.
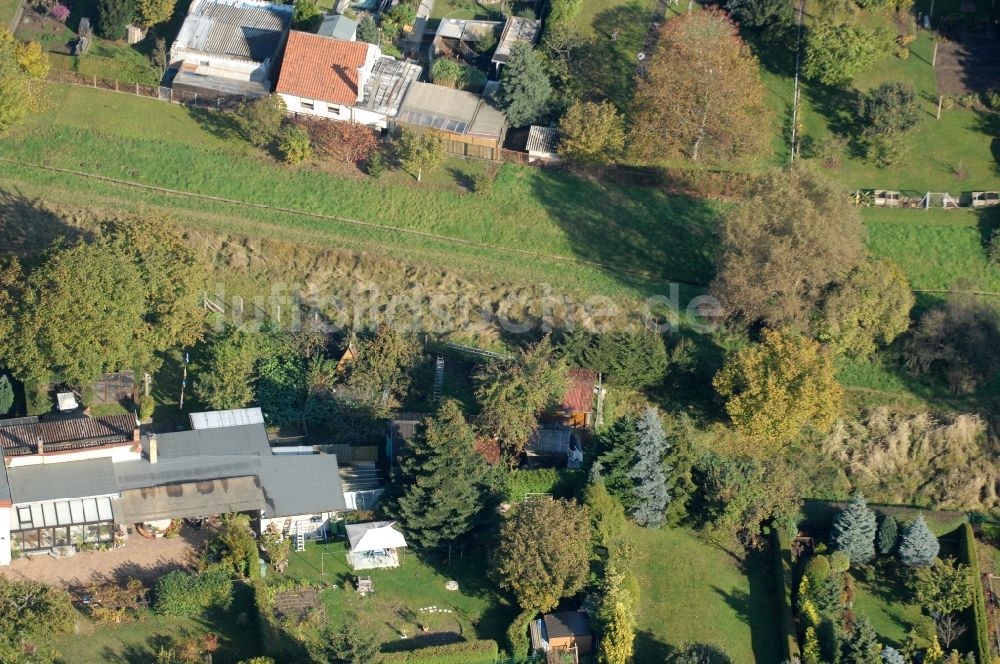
[[307, 104], [333, 108], [24, 516]]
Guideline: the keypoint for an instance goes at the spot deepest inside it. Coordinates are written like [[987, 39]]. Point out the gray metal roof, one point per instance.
[[566, 623], [518, 29], [304, 484], [215, 419], [242, 29], [338, 26], [69, 479], [191, 500], [387, 85], [247, 439]]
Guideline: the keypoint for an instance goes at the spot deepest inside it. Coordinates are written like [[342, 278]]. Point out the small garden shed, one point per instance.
[[563, 630]]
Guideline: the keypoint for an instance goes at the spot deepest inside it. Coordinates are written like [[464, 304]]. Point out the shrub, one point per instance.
[[839, 562], [888, 109], [817, 570], [517, 634], [344, 142], [60, 13], [146, 407], [464, 652], [992, 99], [375, 165], [836, 51], [113, 17], [561, 483], [367, 30], [260, 119], [184, 594], [293, 142], [482, 183], [305, 14], [112, 604], [888, 533]]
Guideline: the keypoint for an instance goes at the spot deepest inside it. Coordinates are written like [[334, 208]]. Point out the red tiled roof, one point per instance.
[[580, 395], [322, 68]]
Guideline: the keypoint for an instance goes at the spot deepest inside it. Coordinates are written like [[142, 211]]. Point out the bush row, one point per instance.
[[466, 652], [979, 622], [785, 579]]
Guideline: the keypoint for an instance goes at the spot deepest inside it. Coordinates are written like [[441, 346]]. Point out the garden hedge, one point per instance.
[[560, 482], [785, 579], [979, 622], [465, 652]]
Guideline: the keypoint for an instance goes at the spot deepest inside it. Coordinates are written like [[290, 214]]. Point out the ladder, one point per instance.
[[438, 377], [300, 539]]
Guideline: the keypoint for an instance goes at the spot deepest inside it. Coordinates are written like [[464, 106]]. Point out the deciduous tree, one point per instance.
[[294, 145], [154, 12], [524, 86], [776, 388], [260, 120], [513, 392], [543, 552], [836, 51], [348, 644], [6, 395], [919, 547], [439, 495], [420, 152], [781, 251], [854, 531], [703, 98], [870, 308], [591, 133], [230, 372], [959, 342], [381, 374], [22, 65]]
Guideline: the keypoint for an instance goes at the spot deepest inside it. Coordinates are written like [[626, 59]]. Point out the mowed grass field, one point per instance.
[[633, 237], [696, 592]]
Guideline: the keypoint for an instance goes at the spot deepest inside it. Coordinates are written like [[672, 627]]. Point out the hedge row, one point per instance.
[[967, 555], [785, 578], [465, 652]]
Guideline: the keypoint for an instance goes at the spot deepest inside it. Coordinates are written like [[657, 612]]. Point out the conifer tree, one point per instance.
[[892, 656], [607, 516], [864, 648], [919, 546], [525, 88], [888, 533], [854, 531], [648, 472], [439, 495]]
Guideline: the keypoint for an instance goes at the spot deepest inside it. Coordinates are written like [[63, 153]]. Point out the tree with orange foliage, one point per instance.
[[702, 98]]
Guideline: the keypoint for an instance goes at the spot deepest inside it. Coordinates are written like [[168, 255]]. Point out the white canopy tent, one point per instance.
[[374, 544]]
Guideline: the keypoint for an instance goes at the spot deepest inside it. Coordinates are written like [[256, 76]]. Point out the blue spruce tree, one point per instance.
[[892, 656], [651, 493], [919, 547], [854, 531]]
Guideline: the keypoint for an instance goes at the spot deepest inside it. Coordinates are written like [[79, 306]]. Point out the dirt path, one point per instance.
[[140, 558]]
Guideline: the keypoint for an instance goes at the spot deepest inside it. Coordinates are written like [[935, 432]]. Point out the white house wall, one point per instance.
[[5, 535], [117, 454], [321, 109]]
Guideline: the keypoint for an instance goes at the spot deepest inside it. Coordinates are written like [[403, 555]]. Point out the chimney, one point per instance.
[[41, 445], [152, 448]]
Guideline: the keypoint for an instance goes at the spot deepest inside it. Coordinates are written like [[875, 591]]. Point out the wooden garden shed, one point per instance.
[[563, 630]]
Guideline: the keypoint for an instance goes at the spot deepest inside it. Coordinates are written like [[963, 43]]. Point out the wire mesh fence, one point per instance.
[[162, 93]]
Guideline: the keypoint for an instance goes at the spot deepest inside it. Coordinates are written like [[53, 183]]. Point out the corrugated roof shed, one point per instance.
[[542, 139], [322, 68], [72, 479], [387, 85], [240, 29], [66, 434]]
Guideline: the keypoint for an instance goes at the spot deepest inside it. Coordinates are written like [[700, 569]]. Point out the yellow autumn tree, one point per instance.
[[776, 388]]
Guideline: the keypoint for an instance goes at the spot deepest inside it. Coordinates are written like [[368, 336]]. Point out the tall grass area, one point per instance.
[[644, 233]]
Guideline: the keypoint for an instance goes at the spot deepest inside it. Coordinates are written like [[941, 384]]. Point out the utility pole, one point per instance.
[[795, 94], [184, 378]]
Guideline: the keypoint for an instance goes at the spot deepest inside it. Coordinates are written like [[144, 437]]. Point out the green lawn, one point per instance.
[[656, 236], [695, 592], [887, 604], [465, 9], [140, 641], [398, 607], [7, 9]]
